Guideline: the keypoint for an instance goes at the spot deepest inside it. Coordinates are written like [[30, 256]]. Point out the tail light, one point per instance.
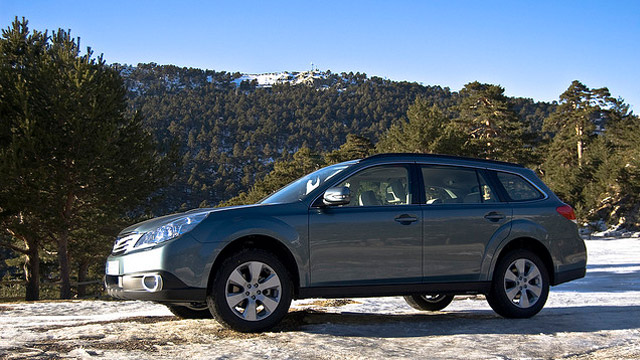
[[567, 212]]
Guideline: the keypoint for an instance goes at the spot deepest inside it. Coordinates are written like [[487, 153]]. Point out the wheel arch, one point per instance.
[[531, 244], [262, 242]]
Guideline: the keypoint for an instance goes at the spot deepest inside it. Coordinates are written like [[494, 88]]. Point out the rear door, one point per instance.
[[461, 214]]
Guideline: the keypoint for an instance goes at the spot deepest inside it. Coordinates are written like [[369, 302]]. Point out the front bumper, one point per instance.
[[181, 268], [131, 287]]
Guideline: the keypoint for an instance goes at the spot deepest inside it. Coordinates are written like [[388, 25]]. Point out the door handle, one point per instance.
[[494, 216], [406, 219]]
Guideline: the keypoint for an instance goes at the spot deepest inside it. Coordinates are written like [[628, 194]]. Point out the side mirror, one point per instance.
[[337, 196]]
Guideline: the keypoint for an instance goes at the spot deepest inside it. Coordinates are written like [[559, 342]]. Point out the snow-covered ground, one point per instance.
[[595, 317]]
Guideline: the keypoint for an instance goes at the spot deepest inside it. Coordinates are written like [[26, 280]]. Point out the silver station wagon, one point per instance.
[[426, 227]]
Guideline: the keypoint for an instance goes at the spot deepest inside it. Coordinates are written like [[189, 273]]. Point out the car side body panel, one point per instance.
[[285, 223], [453, 253], [355, 246]]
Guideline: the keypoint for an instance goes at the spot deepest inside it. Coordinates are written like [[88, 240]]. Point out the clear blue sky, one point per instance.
[[532, 48]]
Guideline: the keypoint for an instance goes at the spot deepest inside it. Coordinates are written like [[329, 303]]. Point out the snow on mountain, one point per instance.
[[293, 78]]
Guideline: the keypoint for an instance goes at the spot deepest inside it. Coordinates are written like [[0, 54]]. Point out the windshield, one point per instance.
[[300, 188]]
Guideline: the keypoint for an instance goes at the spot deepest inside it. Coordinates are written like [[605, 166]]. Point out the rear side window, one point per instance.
[[518, 188], [453, 185]]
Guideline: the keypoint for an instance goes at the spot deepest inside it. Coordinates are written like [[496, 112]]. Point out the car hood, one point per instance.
[[151, 224]]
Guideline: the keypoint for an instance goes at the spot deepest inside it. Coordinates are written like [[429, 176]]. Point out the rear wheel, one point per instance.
[[200, 311], [520, 285], [251, 291], [433, 302]]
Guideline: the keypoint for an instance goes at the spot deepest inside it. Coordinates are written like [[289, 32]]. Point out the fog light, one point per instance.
[[152, 283]]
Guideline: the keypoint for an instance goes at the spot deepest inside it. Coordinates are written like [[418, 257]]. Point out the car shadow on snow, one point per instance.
[[548, 321]]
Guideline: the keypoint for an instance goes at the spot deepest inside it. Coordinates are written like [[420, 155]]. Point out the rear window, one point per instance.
[[518, 188]]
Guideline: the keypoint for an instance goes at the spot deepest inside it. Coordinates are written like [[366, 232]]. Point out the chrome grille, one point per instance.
[[125, 243]]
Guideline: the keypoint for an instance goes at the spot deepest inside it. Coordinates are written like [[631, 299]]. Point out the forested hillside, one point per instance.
[[230, 134]]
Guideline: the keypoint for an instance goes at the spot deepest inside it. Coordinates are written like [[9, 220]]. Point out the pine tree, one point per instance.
[[581, 112], [356, 147], [22, 56], [427, 130], [71, 160], [491, 126], [617, 195], [576, 124], [303, 162]]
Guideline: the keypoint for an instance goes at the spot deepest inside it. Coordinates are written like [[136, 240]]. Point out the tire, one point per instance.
[[435, 302], [520, 285], [185, 312], [236, 302]]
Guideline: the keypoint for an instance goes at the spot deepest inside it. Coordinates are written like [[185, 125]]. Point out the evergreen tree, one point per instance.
[[303, 162], [356, 147], [22, 58], [581, 112], [428, 130], [491, 126], [616, 197], [71, 159], [575, 124]]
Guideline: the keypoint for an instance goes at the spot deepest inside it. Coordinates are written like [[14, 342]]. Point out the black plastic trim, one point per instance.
[[187, 295], [413, 156], [480, 287], [565, 276]]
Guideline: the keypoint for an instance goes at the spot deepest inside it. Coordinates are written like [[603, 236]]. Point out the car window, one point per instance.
[[300, 188], [379, 185], [454, 185], [518, 188]]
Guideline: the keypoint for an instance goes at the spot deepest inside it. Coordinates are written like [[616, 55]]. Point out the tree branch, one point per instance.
[[14, 248]]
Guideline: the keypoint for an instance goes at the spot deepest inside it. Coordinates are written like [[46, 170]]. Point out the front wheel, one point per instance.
[[520, 285], [435, 302], [251, 291]]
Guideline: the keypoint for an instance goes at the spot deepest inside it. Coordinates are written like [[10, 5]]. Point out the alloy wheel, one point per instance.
[[523, 283], [253, 291]]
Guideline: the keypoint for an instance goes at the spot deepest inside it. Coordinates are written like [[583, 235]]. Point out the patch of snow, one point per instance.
[[615, 231], [590, 318]]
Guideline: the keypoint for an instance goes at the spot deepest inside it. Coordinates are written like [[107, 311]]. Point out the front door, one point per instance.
[[376, 238]]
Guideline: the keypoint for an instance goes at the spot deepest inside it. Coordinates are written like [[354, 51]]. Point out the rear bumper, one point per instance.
[[130, 287], [568, 275]]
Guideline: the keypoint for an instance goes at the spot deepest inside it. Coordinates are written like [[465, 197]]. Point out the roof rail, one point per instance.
[[439, 156]]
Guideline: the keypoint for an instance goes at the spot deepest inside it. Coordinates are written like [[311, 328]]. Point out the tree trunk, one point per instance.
[[32, 270], [83, 269], [63, 263], [579, 132], [63, 251]]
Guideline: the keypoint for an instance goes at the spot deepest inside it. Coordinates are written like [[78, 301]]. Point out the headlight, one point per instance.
[[170, 230]]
